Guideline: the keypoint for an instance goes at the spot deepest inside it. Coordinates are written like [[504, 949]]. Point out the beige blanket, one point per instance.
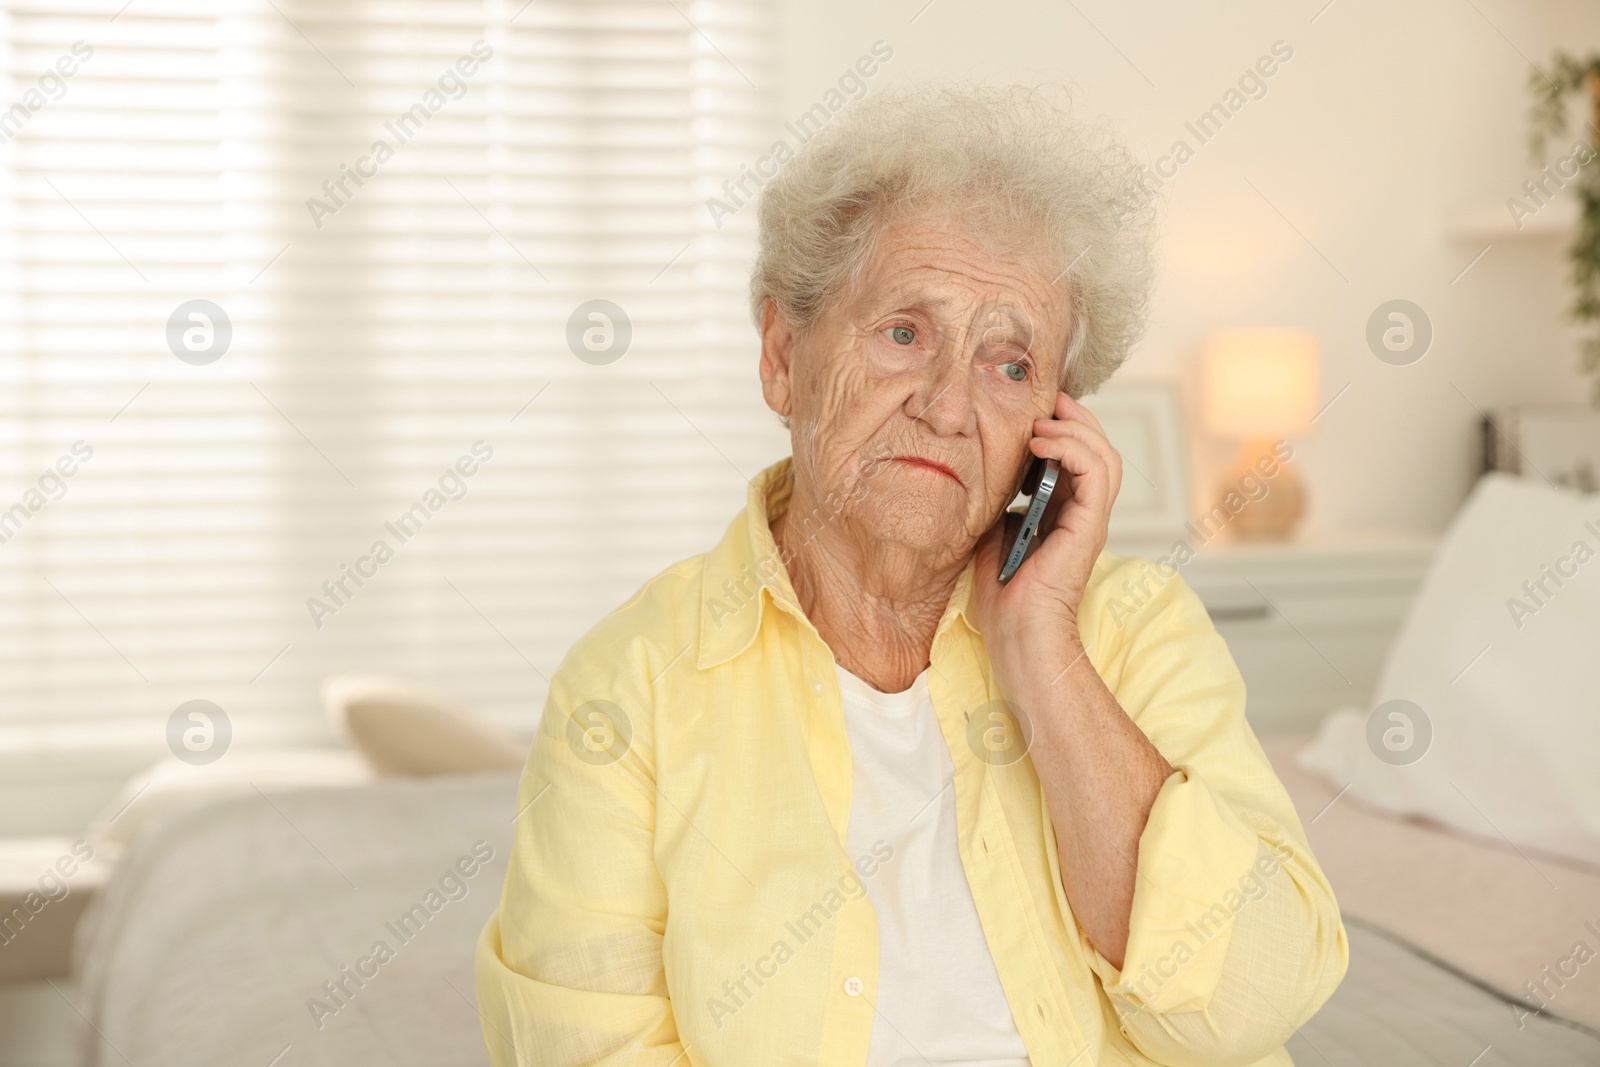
[[1527, 923]]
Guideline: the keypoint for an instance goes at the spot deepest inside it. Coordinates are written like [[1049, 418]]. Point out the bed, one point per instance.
[[212, 944], [243, 932], [224, 927], [1444, 932], [1498, 913]]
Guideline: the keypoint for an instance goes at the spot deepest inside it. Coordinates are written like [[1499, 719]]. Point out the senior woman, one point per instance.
[[830, 792]]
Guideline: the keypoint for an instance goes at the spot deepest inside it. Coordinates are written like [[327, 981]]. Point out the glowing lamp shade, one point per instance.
[[1259, 382], [1259, 385]]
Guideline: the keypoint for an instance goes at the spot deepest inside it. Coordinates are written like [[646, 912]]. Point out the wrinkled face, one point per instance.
[[926, 377]]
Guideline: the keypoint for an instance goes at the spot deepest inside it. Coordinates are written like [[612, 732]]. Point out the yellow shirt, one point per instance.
[[679, 893]]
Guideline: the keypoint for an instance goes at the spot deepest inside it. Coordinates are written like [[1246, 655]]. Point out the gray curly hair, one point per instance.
[[1010, 157]]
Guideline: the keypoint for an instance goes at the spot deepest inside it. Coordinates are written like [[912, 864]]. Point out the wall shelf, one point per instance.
[[1492, 222]]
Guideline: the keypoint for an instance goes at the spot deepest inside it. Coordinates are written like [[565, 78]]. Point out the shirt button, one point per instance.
[[853, 986], [816, 685]]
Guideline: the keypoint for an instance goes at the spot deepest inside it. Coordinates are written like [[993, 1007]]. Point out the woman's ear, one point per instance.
[[777, 349]]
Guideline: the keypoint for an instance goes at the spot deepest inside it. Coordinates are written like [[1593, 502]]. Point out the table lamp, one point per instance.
[[1259, 385]]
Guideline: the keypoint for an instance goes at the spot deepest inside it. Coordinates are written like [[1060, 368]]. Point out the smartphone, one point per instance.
[[1039, 484]]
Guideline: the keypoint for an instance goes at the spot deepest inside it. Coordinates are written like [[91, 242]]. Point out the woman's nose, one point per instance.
[[944, 400]]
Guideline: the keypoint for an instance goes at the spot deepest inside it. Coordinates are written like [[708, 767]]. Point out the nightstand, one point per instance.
[[1309, 621]]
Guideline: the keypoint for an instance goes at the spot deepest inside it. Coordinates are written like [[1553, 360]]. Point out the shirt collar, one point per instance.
[[748, 560]]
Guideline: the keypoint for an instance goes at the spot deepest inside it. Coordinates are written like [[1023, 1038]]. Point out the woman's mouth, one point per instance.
[[931, 465]]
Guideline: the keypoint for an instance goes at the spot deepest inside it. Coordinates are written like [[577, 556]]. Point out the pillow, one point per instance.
[[404, 729], [1486, 717], [172, 784]]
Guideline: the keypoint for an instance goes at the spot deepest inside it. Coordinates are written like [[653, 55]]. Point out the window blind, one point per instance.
[[397, 369]]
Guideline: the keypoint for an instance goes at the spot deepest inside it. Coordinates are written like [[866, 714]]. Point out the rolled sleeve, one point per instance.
[[1194, 854], [1234, 935]]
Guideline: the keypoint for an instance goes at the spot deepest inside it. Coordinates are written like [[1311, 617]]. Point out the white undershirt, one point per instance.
[[938, 998]]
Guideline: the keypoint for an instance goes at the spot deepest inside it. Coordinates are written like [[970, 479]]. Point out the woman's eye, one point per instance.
[[903, 335], [1017, 372]]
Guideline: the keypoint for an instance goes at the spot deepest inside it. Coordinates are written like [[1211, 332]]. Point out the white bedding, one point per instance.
[[1497, 913], [1486, 717], [222, 924]]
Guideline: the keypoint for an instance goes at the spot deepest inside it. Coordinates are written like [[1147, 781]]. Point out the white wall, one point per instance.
[[1390, 121]]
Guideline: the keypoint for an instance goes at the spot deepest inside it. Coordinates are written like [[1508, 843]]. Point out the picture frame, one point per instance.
[[1558, 442], [1144, 423]]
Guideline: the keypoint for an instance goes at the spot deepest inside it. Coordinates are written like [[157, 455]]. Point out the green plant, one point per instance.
[[1568, 77]]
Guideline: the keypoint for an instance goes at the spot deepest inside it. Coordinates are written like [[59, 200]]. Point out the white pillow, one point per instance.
[[405, 729], [1506, 676]]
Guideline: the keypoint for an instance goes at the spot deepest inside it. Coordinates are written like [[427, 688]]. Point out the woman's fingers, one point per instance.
[[1092, 436], [1077, 408], [1069, 412], [1091, 478]]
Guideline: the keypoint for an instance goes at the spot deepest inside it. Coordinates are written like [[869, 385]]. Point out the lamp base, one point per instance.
[[1273, 498]]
